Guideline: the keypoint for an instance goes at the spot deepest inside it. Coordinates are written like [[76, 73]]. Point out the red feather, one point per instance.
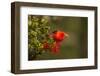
[[58, 36]]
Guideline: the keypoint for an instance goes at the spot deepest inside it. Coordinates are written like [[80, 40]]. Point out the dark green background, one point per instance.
[[76, 45]]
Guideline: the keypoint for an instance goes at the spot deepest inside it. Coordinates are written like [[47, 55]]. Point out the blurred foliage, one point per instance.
[[38, 34]]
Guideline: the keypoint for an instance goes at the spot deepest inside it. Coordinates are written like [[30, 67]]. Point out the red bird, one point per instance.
[[58, 36]]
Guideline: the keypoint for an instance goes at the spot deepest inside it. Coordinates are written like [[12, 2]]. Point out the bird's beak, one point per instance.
[[66, 35]]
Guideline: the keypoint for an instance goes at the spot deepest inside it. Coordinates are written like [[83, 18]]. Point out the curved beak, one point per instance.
[[66, 35]]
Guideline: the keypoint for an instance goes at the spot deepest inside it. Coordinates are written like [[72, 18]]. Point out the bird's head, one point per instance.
[[59, 35]]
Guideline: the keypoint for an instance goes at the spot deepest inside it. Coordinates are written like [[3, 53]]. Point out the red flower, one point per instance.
[[45, 45], [58, 37], [55, 48]]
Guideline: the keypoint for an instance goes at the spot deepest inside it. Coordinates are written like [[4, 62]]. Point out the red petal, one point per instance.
[[46, 46]]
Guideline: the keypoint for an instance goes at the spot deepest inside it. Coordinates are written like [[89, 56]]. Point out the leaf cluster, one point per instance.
[[38, 33]]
